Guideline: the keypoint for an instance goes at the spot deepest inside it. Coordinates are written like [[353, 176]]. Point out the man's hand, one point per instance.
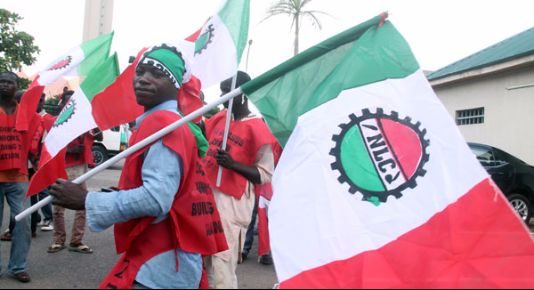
[[224, 159], [68, 195]]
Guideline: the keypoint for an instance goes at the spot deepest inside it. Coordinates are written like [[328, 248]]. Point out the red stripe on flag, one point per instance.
[[477, 242], [50, 169], [28, 105], [193, 37], [117, 104]]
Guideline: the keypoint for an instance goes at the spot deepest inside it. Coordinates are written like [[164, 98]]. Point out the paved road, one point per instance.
[[78, 271]]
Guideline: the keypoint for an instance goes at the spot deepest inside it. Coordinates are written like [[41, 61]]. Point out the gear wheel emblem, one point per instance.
[[66, 114], [204, 40], [61, 64], [380, 155]]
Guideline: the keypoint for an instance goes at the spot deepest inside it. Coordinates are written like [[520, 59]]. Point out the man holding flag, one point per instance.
[[164, 214], [248, 160]]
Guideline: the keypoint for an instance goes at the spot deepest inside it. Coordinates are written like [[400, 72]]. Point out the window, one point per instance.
[[470, 117], [483, 154]]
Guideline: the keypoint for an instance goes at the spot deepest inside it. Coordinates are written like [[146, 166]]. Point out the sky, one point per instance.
[[439, 32]]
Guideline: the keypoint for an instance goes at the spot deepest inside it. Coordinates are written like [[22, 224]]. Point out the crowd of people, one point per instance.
[[174, 224]]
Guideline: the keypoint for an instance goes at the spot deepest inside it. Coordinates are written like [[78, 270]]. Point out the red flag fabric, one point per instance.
[[117, 103]]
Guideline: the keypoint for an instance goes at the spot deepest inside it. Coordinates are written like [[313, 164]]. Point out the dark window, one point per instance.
[[483, 154], [470, 117]]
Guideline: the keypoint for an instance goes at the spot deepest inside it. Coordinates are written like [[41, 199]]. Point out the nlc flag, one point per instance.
[[376, 188], [219, 44], [75, 119], [77, 62]]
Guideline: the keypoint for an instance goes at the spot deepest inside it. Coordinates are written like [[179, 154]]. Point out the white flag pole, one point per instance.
[[229, 117], [158, 135]]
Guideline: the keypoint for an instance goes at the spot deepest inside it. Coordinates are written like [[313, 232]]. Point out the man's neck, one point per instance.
[[241, 114], [8, 105]]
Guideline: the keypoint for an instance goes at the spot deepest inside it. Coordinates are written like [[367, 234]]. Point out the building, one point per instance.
[[98, 18], [490, 94]]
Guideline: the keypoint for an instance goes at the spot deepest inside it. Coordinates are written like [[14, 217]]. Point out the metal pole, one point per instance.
[[229, 117], [248, 53], [230, 96]]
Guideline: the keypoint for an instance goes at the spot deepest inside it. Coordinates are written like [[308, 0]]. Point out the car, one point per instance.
[[110, 143], [513, 176]]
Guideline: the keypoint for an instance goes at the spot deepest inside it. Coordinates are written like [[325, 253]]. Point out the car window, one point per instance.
[[484, 155]]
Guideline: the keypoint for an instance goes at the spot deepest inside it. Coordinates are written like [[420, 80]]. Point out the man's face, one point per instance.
[[8, 86], [152, 87], [226, 87]]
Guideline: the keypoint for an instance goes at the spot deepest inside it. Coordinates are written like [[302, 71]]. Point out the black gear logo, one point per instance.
[[204, 40], [381, 145]]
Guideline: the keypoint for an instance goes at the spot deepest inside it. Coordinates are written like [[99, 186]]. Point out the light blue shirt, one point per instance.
[[161, 174]]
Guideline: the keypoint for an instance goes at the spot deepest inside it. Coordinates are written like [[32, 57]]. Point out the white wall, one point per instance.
[[509, 114]]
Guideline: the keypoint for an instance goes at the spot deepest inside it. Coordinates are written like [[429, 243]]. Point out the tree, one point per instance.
[[295, 9], [16, 47]]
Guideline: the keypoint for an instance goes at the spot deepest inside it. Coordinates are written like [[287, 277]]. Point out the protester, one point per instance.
[[15, 148], [78, 157], [264, 256], [164, 214], [248, 160]]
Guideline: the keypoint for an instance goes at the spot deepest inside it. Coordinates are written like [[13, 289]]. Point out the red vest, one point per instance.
[[86, 156], [193, 225], [15, 145], [245, 139]]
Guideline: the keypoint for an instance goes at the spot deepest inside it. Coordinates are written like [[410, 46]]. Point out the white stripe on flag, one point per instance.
[[334, 224]]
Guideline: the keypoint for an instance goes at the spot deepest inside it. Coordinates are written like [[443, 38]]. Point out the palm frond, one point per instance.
[[314, 20]]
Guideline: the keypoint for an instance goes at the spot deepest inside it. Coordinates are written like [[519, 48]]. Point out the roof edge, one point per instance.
[[480, 71]]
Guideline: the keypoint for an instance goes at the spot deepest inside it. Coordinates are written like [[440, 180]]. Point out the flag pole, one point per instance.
[[229, 117], [230, 96]]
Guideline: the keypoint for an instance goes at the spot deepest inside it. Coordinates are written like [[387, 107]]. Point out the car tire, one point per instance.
[[521, 205], [100, 154]]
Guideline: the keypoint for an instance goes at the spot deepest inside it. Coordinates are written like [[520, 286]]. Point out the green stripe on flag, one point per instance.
[[362, 55], [95, 51], [235, 15], [101, 77], [363, 173]]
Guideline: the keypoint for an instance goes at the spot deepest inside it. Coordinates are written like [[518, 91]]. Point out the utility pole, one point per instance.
[[248, 53]]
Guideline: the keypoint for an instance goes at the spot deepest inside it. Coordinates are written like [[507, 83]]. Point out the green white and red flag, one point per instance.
[[76, 118], [77, 62], [219, 44], [376, 187]]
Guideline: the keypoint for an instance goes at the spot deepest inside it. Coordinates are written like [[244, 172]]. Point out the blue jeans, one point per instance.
[[15, 194], [47, 209]]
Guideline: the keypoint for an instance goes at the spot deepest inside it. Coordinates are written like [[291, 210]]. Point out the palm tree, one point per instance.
[[295, 9]]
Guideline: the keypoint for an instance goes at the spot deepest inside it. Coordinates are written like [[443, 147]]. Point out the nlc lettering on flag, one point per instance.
[[376, 188]]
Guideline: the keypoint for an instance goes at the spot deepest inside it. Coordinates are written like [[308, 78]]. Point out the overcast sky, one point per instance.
[[439, 31]]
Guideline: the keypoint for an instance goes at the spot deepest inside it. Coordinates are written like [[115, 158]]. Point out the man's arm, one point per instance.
[[259, 173], [161, 175]]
